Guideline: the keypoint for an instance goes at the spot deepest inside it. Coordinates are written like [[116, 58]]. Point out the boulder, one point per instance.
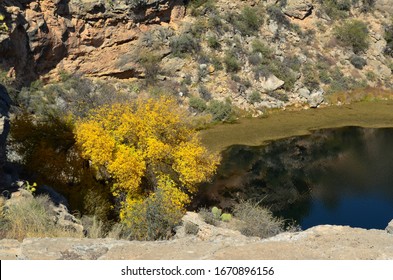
[[298, 8], [316, 98], [304, 92], [271, 83], [389, 228]]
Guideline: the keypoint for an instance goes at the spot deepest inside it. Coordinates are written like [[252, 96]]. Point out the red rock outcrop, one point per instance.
[[86, 36]]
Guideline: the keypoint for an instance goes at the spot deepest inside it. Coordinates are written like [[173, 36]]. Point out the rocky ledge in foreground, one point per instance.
[[321, 242]]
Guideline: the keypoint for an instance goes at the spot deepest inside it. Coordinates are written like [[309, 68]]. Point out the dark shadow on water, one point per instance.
[[338, 176]]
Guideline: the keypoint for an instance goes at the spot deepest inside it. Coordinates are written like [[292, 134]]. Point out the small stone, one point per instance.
[[389, 228]]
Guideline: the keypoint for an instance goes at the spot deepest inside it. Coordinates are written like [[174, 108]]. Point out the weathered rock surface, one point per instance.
[[271, 83], [321, 242], [87, 36], [389, 228], [298, 8], [384, 5]]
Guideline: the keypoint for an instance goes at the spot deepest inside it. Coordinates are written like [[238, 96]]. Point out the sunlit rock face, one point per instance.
[[85, 36]]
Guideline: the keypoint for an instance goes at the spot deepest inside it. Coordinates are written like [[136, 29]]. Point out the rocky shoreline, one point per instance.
[[322, 242]]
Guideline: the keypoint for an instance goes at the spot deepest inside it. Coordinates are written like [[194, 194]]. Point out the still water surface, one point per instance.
[[340, 176]]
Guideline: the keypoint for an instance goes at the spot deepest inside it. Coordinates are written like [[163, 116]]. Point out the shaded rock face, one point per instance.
[[76, 35], [389, 228], [4, 128]]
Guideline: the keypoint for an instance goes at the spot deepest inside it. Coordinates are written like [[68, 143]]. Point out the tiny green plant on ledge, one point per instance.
[[3, 25], [31, 188], [214, 216]]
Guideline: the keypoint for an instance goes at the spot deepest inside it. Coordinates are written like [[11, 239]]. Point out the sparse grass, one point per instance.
[[257, 220], [94, 227], [31, 217], [248, 21], [198, 104]]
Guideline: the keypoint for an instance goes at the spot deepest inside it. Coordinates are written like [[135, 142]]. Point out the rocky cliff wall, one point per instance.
[[4, 128], [75, 35]]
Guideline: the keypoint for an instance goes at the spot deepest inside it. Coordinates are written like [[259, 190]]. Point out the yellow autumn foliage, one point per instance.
[[145, 147]]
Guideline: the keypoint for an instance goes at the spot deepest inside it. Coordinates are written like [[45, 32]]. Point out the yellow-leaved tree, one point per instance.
[[152, 154]]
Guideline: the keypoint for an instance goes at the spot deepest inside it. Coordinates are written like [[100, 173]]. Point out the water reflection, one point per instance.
[[341, 176]]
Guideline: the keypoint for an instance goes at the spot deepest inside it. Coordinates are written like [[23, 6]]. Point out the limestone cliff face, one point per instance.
[[76, 35], [107, 38]]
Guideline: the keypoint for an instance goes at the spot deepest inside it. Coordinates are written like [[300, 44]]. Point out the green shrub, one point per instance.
[[248, 21], [191, 228], [215, 22], [231, 62], [254, 97], [388, 35], [336, 9], [221, 111], [324, 76], [204, 93], [257, 221], [310, 77], [371, 76], [357, 61], [153, 219], [184, 44], [213, 42], [198, 104], [251, 20], [278, 16], [259, 47], [216, 62], [73, 96], [150, 64], [293, 63], [200, 7], [354, 34], [199, 28]]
